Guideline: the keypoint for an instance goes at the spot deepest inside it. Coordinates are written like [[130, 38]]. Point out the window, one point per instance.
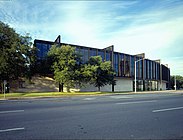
[[137, 67], [93, 52], [101, 53], [147, 69], [116, 63], [108, 56], [140, 68], [121, 64], [150, 70], [153, 70], [84, 53], [144, 71], [158, 71], [77, 50], [132, 68], [127, 65], [39, 50], [43, 49]]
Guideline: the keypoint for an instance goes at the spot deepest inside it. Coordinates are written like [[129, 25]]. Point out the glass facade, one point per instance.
[[127, 65], [84, 53], [43, 49], [123, 64], [93, 52], [108, 58], [102, 54], [132, 66], [116, 64], [144, 70]]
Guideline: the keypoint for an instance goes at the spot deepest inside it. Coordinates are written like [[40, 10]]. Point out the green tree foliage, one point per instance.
[[67, 65], [16, 54], [179, 82], [70, 70], [98, 73]]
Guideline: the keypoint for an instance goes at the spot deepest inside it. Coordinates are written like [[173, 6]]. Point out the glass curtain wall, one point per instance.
[[43, 49], [102, 54], [116, 63], [127, 65], [108, 58], [121, 64], [84, 53], [132, 66]]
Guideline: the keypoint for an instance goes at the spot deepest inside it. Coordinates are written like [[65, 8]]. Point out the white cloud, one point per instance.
[[100, 24]]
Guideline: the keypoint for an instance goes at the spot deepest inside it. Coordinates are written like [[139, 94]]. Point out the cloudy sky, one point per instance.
[[153, 27]]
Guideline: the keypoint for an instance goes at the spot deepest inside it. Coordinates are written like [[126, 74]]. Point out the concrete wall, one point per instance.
[[162, 85], [38, 84], [123, 85], [88, 87]]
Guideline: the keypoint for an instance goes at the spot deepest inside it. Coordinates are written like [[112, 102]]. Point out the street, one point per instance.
[[133, 116]]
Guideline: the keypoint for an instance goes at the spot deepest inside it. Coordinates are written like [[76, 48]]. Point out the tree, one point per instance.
[[179, 82], [98, 73], [67, 65], [16, 54]]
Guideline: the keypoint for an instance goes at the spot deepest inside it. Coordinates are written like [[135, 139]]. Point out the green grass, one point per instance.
[[52, 94]]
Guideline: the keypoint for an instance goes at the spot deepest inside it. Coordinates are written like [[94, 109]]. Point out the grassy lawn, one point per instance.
[[52, 94]]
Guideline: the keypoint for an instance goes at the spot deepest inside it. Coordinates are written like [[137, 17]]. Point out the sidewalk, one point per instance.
[[162, 91]]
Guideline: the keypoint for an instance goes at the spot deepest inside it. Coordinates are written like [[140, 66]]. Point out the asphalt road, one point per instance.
[[142, 116]]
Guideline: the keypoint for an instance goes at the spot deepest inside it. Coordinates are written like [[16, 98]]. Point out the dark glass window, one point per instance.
[[140, 68], [127, 65], [147, 68], [137, 67], [150, 70], [77, 50], [116, 63], [132, 68], [43, 49], [108, 56], [121, 63], [84, 53], [93, 52], [153, 70], [158, 71], [144, 69], [39, 50], [101, 53]]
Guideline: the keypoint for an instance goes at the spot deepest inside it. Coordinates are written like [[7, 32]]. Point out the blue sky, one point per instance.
[[153, 27]]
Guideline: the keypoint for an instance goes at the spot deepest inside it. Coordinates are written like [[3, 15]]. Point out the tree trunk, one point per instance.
[[99, 88], [112, 87], [61, 87]]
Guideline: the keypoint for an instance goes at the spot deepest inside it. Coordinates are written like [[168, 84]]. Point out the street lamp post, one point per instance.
[[136, 74], [175, 83]]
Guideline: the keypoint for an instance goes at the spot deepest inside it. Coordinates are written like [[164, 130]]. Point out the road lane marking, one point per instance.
[[89, 98], [120, 97], [11, 111], [12, 129], [137, 102], [167, 109]]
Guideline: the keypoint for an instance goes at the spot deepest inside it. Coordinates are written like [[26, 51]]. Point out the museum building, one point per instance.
[[150, 74]]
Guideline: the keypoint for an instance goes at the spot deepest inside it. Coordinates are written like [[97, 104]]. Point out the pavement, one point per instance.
[[133, 116]]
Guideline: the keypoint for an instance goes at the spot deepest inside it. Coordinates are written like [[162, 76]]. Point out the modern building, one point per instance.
[[150, 74]]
